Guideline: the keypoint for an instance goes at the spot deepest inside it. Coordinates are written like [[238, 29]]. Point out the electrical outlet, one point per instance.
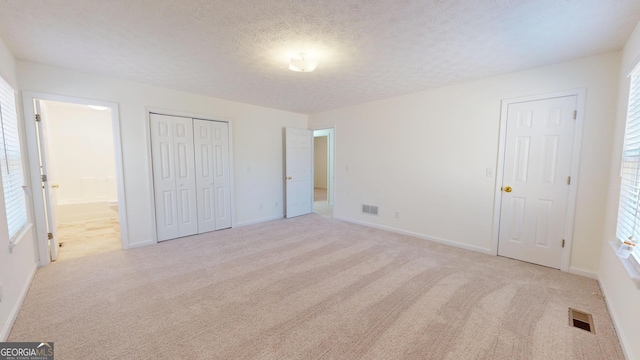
[[397, 214]]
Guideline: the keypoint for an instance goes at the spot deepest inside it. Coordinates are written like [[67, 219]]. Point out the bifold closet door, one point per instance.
[[211, 139], [173, 176]]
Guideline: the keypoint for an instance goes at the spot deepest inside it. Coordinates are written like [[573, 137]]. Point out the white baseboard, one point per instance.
[[6, 329], [252, 222], [614, 318], [141, 244], [583, 272], [420, 236]]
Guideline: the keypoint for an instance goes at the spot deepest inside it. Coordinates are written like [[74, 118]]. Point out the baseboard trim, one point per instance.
[[614, 318], [417, 235], [141, 244], [253, 222], [13, 315], [582, 272]]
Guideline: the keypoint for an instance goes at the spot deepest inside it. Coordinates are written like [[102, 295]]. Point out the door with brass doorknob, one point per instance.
[[538, 151], [299, 170]]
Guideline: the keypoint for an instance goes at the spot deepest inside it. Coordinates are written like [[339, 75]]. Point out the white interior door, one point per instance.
[[211, 140], [535, 184], [185, 176], [48, 187], [203, 141], [173, 176], [299, 172], [222, 174]]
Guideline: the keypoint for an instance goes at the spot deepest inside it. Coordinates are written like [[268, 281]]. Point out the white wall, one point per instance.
[[320, 162], [425, 155], [621, 293], [81, 155], [257, 139], [17, 268]]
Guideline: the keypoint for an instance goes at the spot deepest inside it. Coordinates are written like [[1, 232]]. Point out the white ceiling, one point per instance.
[[368, 50]]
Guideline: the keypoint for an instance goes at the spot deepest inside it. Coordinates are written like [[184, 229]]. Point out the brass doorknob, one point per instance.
[[508, 189], [55, 186], [289, 178]]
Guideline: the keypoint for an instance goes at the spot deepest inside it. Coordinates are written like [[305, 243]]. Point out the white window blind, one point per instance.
[[629, 208], [11, 161]]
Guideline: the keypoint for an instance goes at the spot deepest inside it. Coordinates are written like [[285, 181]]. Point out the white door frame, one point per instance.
[[162, 111], [330, 134], [34, 167], [575, 167]]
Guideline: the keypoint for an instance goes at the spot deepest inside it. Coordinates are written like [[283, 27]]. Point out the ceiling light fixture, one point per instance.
[[96, 107], [303, 64]]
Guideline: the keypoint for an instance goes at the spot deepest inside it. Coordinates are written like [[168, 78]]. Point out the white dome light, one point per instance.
[[303, 64]]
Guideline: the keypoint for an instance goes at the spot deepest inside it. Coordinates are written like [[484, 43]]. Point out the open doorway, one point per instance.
[[81, 175], [75, 158], [323, 172]]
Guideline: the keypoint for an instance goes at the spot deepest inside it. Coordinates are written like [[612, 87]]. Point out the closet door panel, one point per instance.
[[164, 181], [203, 142], [222, 176], [185, 176]]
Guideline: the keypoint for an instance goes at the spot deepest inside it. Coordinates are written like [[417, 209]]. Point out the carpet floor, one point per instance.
[[310, 288]]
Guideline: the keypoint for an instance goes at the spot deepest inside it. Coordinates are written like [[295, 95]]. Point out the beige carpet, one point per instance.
[[310, 288]]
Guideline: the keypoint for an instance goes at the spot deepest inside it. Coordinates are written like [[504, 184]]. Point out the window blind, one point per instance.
[[629, 211], [11, 161]]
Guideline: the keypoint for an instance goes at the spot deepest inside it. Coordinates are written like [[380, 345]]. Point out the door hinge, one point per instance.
[[568, 180], [44, 178], [562, 242], [49, 236], [575, 114], [38, 119]]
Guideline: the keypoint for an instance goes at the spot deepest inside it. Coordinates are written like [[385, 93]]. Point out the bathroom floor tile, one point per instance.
[[87, 238]]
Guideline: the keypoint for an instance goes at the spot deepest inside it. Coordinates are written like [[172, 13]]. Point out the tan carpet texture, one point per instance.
[[310, 288]]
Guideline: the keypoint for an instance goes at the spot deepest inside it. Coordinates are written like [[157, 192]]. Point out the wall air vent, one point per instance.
[[581, 320], [370, 209]]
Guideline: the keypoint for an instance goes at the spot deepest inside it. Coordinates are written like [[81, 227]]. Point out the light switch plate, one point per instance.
[[489, 172]]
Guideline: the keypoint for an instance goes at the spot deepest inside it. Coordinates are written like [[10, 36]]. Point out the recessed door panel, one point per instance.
[[550, 158], [170, 209], [521, 159], [543, 223], [517, 218]]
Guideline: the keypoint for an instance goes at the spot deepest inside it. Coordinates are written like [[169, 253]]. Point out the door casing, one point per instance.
[[575, 168], [34, 167]]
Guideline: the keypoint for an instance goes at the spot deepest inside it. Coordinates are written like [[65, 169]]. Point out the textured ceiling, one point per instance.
[[367, 49]]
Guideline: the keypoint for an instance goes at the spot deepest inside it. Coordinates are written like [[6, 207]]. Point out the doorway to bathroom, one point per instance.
[[79, 176], [323, 140]]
